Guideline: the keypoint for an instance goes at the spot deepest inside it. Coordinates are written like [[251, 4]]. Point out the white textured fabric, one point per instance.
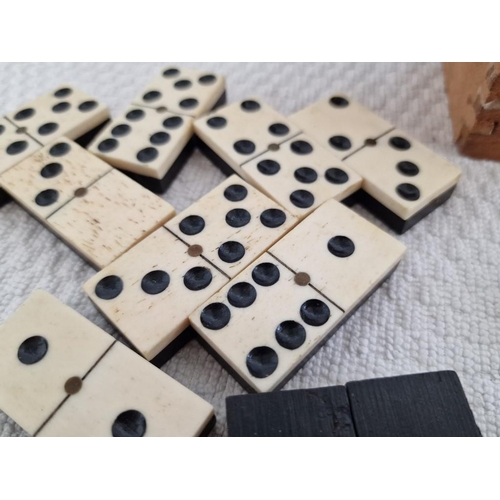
[[440, 310]]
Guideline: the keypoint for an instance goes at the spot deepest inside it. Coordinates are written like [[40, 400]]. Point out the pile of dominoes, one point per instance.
[[262, 270]]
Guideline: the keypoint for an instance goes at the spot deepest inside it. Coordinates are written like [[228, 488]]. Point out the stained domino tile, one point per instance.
[[15, 145], [143, 141], [233, 224], [48, 179], [244, 130], [403, 174], [109, 217], [340, 124], [125, 396], [183, 91], [263, 324], [149, 292], [65, 111], [345, 256], [301, 175], [42, 346]]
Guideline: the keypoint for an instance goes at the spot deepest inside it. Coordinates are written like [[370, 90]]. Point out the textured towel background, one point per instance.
[[438, 311]]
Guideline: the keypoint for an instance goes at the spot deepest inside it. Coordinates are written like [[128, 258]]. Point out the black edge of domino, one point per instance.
[[4, 198], [224, 167], [85, 139], [323, 412], [208, 428], [174, 347], [220, 102], [392, 220], [304, 360]]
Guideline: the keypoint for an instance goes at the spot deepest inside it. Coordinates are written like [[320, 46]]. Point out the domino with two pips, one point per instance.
[[60, 375]]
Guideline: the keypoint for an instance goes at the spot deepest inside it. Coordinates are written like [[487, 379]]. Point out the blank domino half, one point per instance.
[[150, 145], [403, 181], [269, 320], [63, 112], [95, 209], [149, 292], [234, 134], [419, 405], [60, 375], [184, 91], [301, 175]]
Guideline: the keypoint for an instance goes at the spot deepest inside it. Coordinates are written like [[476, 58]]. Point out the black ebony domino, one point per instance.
[[323, 412], [424, 404]]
